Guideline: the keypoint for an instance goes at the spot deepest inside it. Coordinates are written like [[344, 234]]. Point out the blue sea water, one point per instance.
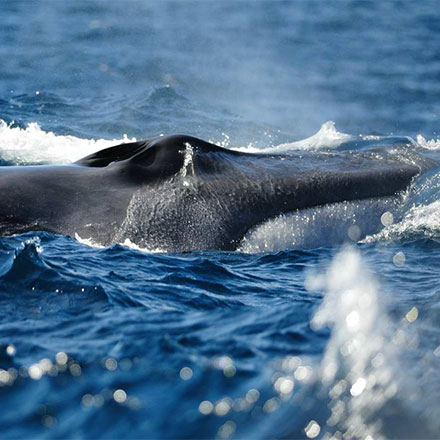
[[296, 334]]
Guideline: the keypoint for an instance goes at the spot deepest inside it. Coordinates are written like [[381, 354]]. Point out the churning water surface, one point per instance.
[[297, 334]]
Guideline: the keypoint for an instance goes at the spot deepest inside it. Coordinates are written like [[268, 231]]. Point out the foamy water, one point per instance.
[[429, 144], [32, 145], [421, 221], [308, 228], [327, 225], [327, 137], [115, 343]]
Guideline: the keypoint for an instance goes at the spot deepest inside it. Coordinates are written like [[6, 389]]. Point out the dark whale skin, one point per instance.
[[181, 193]]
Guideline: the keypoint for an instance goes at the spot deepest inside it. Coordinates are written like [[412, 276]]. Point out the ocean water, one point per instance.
[[324, 323]]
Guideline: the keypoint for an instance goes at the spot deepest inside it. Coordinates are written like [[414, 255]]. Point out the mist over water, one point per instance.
[[103, 69], [324, 322]]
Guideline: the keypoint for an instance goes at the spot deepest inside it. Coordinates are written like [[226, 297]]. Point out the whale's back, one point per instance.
[[182, 193]]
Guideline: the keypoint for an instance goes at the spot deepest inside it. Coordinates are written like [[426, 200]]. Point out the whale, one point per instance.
[[180, 193]]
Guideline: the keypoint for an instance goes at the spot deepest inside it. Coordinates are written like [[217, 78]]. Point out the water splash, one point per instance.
[[421, 221], [32, 145], [188, 163], [431, 144], [126, 243], [88, 242], [327, 225], [327, 137], [370, 369], [358, 366]]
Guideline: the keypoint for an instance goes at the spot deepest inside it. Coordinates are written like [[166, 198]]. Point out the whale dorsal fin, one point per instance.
[[117, 153], [159, 153]]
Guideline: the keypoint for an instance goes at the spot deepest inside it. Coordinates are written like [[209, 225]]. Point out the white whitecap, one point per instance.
[[32, 145], [320, 226], [328, 137], [126, 243], [428, 144], [419, 221]]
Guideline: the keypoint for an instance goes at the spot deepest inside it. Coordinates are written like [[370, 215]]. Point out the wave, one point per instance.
[[32, 145], [46, 285], [419, 222], [327, 137], [126, 243], [327, 225], [430, 144]]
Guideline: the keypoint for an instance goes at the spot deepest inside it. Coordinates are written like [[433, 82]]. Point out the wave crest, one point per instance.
[[32, 145]]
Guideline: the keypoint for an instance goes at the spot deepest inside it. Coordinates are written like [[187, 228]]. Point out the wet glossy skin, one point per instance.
[[181, 193]]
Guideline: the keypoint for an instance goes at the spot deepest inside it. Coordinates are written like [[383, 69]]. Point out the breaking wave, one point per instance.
[[327, 225], [33, 145], [419, 222], [306, 229]]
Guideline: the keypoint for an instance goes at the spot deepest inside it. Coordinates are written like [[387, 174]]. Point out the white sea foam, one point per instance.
[[88, 242], [327, 225], [419, 221], [127, 243], [327, 137], [33, 145], [430, 144]]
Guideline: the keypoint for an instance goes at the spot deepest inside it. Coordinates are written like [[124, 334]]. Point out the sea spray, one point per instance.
[[327, 137], [32, 145], [368, 366], [358, 366], [328, 225], [419, 222]]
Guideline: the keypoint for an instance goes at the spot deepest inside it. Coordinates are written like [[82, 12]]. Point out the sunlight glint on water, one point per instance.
[[131, 335], [359, 362], [367, 366]]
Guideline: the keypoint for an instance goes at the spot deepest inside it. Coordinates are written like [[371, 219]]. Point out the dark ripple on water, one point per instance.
[[115, 342], [196, 326], [145, 114], [193, 338]]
